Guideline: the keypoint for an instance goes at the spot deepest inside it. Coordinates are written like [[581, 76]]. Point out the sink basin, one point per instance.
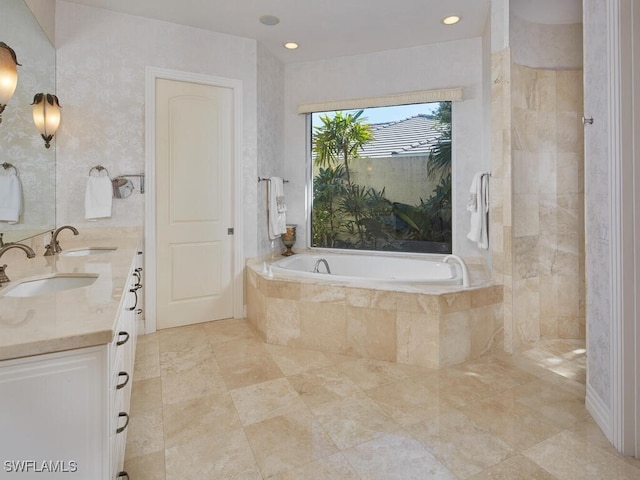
[[54, 283], [83, 252]]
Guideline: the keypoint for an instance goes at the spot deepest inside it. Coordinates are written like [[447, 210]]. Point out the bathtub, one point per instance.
[[407, 310], [354, 268]]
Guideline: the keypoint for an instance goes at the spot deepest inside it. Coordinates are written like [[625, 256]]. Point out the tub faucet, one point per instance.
[[54, 246], [30, 254], [463, 266], [316, 268]]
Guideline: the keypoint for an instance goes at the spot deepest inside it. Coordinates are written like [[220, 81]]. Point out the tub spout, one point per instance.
[[463, 266], [316, 268]]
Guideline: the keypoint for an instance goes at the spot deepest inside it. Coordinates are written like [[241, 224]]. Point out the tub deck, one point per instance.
[[418, 325]]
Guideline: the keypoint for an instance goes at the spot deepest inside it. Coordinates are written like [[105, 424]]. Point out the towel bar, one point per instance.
[[7, 166], [268, 179]]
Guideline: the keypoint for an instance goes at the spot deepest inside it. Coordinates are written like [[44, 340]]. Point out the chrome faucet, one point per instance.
[[316, 268], [54, 246], [30, 254]]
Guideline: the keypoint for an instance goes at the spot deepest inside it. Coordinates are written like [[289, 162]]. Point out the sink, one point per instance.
[[51, 284], [83, 252]]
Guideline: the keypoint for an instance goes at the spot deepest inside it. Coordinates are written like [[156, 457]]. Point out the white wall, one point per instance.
[[597, 205], [102, 57], [451, 64]]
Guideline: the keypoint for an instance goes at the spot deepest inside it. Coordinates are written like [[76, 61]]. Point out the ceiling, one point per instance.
[[322, 28]]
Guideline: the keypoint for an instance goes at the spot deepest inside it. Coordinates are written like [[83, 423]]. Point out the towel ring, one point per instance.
[[99, 168], [7, 166]]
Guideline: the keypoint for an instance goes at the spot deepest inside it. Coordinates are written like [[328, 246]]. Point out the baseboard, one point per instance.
[[599, 411]]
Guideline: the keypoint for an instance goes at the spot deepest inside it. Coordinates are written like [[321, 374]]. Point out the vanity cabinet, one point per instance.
[[69, 411]]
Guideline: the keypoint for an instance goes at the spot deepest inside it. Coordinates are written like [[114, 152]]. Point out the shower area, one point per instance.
[[537, 225]]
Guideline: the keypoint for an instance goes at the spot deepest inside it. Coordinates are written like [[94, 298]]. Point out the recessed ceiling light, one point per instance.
[[451, 20], [291, 45], [269, 20]]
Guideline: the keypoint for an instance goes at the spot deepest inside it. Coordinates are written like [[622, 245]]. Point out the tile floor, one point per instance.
[[212, 401]]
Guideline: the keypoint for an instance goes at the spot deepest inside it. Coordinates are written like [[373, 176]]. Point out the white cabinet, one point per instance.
[[68, 411]]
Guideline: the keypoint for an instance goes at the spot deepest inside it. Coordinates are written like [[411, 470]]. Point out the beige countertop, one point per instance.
[[69, 319]]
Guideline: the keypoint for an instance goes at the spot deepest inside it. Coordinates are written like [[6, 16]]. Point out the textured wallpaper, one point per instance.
[[101, 83]]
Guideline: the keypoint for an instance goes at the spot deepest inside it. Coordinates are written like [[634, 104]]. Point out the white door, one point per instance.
[[194, 209]]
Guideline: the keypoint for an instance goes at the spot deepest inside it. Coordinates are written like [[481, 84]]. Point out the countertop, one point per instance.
[[70, 319]]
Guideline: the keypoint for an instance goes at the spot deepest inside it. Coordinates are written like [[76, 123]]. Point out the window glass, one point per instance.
[[382, 178]]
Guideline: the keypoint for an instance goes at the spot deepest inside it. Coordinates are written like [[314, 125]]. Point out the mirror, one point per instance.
[[20, 142]]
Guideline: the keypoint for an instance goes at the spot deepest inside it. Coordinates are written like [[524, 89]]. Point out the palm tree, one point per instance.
[[440, 156], [339, 139]]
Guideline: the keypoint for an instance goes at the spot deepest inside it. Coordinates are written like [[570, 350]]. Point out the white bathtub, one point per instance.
[[354, 268]]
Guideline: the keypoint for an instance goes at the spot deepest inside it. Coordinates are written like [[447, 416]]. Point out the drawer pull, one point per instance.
[[126, 380], [134, 291], [139, 311], [137, 286], [126, 338], [126, 423], [138, 278], [123, 475]]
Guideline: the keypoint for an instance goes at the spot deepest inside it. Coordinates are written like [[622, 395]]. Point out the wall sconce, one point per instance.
[[46, 115], [8, 75]]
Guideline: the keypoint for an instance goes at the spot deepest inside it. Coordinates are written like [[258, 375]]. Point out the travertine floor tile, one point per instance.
[[334, 467], [147, 467], [409, 402], [145, 434], [514, 468], [497, 418], [250, 371], [288, 441], [317, 387], [511, 421], [297, 360], [146, 395], [395, 457], [368, 373], [209, 415], [262, 401], [227, 330], [568, 457], [557, 405], [461, 445], [211, 457], [354, 420]]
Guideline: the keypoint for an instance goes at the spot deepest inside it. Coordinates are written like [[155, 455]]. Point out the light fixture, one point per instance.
[[46, 115], [269, 20], [291, 45], [8, 75], [451, 20]]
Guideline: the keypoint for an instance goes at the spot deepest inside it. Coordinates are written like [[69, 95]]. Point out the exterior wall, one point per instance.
[[429, 330], [102, 57], [450, 64]]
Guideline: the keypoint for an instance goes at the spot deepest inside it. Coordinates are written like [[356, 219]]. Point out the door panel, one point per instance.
[[194, 148]]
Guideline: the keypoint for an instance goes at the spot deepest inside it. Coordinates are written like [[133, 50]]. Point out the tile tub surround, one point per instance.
[[68, 319], [430, 328]]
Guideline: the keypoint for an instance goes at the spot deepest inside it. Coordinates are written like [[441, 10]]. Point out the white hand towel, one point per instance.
[[276, 208], [478, 205], [10, 198], [98, 197]]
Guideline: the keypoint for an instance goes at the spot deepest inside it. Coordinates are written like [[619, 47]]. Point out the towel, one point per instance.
[[10, 198], [478, 205], [276, 208], [98, 197]]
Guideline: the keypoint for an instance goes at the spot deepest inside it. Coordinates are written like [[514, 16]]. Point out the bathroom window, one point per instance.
[[382, 178]]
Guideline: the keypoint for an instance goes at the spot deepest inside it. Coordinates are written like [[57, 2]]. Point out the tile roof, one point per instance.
[[408, 137]]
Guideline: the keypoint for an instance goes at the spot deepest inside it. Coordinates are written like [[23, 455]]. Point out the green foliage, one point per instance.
[[348, 215]]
